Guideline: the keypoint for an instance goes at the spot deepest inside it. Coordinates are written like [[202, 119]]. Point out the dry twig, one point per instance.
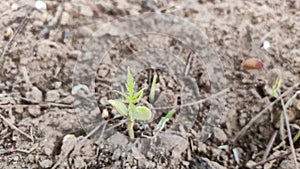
[[289, 133], [273, 158], [15, 128], [270, 144], [253, 120], [20, 27]]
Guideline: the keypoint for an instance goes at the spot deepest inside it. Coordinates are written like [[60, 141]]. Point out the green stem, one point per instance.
[[130, 125]]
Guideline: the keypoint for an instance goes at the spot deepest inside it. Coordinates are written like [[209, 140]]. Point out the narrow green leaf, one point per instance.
[[138, 96], [170, 113], [163, 120], [142, 113], [275, 88], [296, 137], [119, 106], [130, 83], [152, 90]]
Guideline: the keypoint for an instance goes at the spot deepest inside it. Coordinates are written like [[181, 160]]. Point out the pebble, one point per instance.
[[65, 18], [220, 135], [34, 111], [118, 139], [46, 163], [86, 10], [35, 94], [52, 95], [105, 114], [79, 162], [116, 155]]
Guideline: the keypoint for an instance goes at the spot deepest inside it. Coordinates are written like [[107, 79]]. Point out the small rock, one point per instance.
[[35, 94], [66, 125], [8, 33], [46, 163], [103, 71], [65, 18], [180, 148], [86, 10], [47, 151], [202, 147], [105, 114], [34, 111], [150, 155], [57, 84], [31, 158], [250, 163], [68, 100], [79, 162], [41, 5], [266, 44], [116, 155], [19, 110], [118, 139], [52, 95], [297, 59], [288, 164], [219, 135]]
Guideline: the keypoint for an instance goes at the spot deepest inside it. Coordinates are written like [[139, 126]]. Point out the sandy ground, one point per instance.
[[59, 66]]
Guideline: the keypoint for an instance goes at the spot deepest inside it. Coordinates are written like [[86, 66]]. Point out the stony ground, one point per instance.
[[41, 128]]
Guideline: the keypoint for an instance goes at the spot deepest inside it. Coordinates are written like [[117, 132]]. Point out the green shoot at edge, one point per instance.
[[164, 120], [152, 90], [127, 107]]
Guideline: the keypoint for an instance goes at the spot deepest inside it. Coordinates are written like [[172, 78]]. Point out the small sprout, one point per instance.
[[252, 63], [130, 110], [163, 121], [152, 90], [275, 88], [296, 137]]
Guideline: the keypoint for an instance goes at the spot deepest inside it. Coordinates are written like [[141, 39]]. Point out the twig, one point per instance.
[[15, 128], [8, 151], [289, 133], [188, 64], [270, 144], [46, 104], [273, 158], [21, 26], [253, 120], [194, 103]]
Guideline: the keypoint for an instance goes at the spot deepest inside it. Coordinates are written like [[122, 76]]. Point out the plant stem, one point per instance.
[[130, 125]]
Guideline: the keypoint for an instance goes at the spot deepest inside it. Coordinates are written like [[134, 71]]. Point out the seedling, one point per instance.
[[152, 90], [164, 120], [275, 88], [127, 107]]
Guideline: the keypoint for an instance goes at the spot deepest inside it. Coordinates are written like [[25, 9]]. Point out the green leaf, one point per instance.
[[163, 120], [170, 113], [130, 83], [119, 106], [142, 113], [138, 96], [275, 88]]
